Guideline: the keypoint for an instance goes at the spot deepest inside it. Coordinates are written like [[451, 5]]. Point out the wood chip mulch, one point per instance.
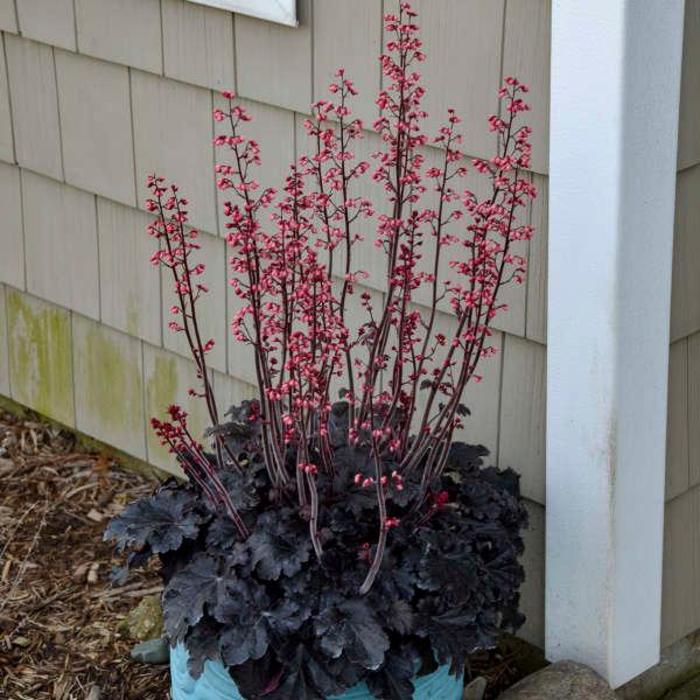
[[59, 615]]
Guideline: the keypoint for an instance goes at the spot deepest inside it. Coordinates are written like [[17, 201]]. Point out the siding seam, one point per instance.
[[133, 137], [9, 98], [688, 166], [312, 52], [24, 236], [75, 27], [218, 231], [162, 39], [99, 265], [382, 41], [58, 110], [235, 53], [503, 51], [685, 493]]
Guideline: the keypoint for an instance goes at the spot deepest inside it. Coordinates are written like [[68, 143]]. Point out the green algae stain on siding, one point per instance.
[[133, 316], [109, 387], [168, 378], [162, 389], [4, 361], [40, 356]]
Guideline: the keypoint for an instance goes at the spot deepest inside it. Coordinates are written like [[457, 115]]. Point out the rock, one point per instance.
[[688, 691], [154, 651], [145, 621], [475, 690], [564, 679]]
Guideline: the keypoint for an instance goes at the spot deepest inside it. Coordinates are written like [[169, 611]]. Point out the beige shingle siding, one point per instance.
[[694, 409], [173, 137], [526, 49], [50, 22], [123, 31], [532, 590], [129, 285], [681, 606], [484, 400], [689, 133], [7, 148], [60, 229], [32, 80], [273, 62], [536, 312], [522, 415], [683, 448], [681, 575], [8, 20], [12, 256], [198, 44], [685, 305], [463, 69], [677, 457], [95, 112], [348, 34]]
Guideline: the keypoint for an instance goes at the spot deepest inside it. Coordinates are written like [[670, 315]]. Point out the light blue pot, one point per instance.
[[216, 683]]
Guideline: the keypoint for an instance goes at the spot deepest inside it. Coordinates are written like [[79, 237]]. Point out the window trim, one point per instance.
[[281, 11]]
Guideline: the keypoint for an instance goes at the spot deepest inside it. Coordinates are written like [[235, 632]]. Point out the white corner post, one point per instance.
[[614, 120]]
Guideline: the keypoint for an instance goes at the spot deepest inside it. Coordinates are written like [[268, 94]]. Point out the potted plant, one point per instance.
[[349, 548]]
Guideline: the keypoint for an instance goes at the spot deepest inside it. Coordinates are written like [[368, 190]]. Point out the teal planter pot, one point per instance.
[[216, 684]]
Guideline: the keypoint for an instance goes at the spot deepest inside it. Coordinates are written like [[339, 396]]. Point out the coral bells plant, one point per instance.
[[333, 531]]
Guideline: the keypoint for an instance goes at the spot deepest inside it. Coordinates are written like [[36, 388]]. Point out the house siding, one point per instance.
[[91, 103], [681, 574]]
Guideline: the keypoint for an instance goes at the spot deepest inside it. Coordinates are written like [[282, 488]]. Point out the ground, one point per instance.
[[59, 615]]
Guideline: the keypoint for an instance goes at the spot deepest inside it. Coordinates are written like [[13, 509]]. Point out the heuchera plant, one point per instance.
[[318, 543]]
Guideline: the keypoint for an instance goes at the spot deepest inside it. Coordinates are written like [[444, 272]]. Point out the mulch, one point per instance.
[[59, 615]]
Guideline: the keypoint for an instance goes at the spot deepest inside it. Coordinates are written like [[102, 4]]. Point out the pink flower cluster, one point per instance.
[[294, 274]]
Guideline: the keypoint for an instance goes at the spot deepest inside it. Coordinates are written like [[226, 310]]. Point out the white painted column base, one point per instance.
[[614, 120]]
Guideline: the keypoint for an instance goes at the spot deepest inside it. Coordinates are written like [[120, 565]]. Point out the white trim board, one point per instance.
[[615, 87], [281, 11]]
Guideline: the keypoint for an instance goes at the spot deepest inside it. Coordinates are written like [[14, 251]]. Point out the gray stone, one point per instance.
[[475, 690], [145, 621], [154, 651], [564, 679], [688, 691]]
